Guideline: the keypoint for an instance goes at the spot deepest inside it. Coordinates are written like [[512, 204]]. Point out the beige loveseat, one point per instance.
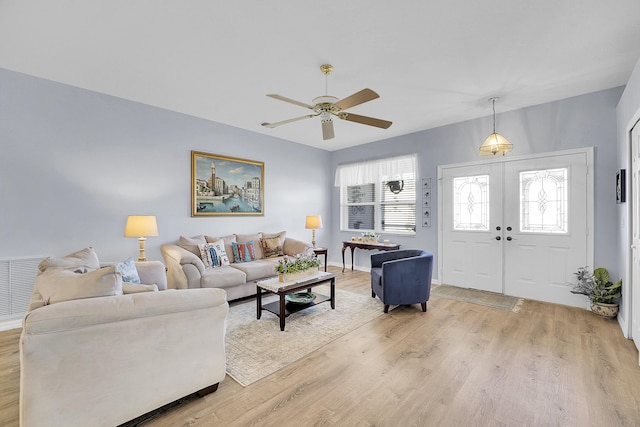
[[93, 356], [186, 269]]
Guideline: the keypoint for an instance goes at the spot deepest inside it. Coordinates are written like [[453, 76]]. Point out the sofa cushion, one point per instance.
[[271, 247], [222, 277], [99, 311], [256, 270], [83, 260], [252, 237], [244, 252], [228, 241], [134, 288], [57, 284], [191, 243], [128, 270]]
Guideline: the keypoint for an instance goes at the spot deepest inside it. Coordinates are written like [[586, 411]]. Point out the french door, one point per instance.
[[517, 226]]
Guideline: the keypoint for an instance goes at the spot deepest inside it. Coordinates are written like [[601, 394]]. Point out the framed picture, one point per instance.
[[620, 186], [223, 185]]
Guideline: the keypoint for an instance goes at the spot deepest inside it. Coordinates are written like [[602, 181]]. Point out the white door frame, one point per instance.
[[590, 195], [625, 321]]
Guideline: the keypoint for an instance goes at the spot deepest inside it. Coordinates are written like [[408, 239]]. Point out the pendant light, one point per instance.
[[495, 143]]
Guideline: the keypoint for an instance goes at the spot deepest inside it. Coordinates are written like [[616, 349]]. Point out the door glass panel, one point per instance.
[[471, 203], [544, 201]]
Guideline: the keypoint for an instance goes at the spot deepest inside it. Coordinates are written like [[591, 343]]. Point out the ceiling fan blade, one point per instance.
[[327, 129], [357, 98], [284, 122], [384, 124], [292, 101]]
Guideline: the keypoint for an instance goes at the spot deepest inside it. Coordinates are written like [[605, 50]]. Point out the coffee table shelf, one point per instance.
[[290, 308]]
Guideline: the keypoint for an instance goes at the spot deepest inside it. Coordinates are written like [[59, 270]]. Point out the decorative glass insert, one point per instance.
[[544, 201], [471, 203]]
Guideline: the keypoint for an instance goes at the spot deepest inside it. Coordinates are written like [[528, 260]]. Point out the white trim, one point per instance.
[[624, 321], [588, 151], [11, 324]]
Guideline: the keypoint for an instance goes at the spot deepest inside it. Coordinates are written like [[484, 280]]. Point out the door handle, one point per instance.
[[498, 238], [509, 238]]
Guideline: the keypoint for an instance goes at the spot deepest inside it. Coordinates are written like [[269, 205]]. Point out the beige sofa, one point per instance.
[[105, 360], [185, 267]]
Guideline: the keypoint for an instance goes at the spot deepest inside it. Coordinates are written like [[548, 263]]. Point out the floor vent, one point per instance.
[[17, 277]]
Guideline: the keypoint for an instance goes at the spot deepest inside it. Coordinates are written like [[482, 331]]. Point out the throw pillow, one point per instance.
[[271, 247], [243, 238], [191, 243], [128, 270], [214, 254], [83, 260], [228, 240], [58, 284], [244, 252]]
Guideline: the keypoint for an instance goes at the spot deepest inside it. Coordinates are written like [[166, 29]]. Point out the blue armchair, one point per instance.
[[402, 277]]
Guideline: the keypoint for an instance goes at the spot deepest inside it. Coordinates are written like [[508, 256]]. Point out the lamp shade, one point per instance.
[[314, 222], [141, 226], [494, 144]]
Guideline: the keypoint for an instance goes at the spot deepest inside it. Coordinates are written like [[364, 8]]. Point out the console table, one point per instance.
[[368, 246]]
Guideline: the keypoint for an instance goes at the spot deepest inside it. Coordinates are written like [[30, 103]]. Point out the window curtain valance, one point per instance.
[[391, 169]]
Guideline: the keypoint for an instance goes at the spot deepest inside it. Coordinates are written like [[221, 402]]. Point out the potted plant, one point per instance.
[[600, 290], [291, 269]]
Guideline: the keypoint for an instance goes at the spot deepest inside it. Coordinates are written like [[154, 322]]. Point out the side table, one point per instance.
[[368, 246], [322, 251]]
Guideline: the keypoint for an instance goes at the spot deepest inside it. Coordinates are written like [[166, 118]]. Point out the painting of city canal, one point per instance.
[[226, 185]]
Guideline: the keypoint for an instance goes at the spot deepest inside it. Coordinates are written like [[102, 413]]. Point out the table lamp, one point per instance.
[[313, 222], [141, 226]]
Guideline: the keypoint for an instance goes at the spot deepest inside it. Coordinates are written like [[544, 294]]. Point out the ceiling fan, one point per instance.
[[327, 106]]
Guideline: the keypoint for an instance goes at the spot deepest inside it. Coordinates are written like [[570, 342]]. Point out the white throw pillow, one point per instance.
[[214, 254], [58, 284], [83, 260]]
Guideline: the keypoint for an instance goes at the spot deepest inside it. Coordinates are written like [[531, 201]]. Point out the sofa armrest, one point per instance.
[[177, 257], [294, 247]]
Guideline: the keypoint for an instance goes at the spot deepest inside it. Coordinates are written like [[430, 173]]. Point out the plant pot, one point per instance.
[[605, 310], [295, 277]]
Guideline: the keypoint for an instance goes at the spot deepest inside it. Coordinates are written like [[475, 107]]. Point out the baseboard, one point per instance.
[[11, 324]]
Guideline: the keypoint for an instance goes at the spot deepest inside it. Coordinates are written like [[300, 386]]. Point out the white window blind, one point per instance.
[[379, 195]]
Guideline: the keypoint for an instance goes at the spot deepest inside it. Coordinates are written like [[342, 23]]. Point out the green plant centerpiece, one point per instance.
[[602, 293], [292, 268], [369, 237]]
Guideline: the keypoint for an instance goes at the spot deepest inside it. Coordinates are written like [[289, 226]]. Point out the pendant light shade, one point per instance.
[[495, 143]]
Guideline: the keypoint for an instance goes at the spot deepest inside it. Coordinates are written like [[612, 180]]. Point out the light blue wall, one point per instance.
[[75, 163], [582, 121], [628, 113]]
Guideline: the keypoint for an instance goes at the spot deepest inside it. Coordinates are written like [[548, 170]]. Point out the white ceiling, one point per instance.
[[432, 62]]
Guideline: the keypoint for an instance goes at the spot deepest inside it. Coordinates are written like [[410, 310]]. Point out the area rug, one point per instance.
[[257, 348], [488, 299]]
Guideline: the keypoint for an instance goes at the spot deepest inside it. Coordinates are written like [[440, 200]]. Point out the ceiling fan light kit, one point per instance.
[[327, 106], [495, 143]]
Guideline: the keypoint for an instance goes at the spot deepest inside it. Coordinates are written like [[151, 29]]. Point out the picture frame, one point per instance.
[[222, 185], [621, 191]]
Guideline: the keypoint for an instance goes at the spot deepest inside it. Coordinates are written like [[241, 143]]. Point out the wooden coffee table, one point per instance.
[[280, 308]]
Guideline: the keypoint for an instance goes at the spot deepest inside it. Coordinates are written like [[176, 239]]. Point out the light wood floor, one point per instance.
[[459, 364]]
